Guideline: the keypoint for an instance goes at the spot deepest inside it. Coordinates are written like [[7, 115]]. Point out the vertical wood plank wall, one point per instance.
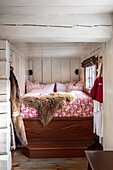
[[19, 62], [5, 118], [108, 97], [54, 70]]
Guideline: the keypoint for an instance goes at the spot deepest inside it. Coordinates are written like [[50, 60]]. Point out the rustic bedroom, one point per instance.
[[56, 86]]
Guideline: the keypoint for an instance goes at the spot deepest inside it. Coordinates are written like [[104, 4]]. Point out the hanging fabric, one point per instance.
[[99, 70], [97, 89], [89, 61], [19, 131], [98, 119], [98, 106]]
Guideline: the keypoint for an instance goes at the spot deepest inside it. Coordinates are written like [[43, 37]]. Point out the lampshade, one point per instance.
[[30, 72], [77, 71]]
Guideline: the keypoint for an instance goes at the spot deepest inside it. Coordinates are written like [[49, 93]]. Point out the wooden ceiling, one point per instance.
[[56, 50], [55, 21]]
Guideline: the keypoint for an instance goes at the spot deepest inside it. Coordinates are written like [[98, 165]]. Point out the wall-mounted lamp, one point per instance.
[[77, 71], [30, 72]]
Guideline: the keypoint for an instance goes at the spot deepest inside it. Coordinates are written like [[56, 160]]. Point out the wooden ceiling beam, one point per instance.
[[58, 20], [55, 3], [56, 34], [60, 10]]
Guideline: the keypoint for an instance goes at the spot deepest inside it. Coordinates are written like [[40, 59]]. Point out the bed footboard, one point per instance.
[[63, 137]]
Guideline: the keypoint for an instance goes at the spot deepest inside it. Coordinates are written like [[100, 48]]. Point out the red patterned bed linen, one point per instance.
[[81, 106]]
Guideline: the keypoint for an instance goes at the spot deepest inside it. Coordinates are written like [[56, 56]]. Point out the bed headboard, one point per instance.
[[53, 70]]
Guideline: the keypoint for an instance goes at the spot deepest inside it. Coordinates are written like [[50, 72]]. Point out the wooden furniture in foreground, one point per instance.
[[100, 160], [63, 137]]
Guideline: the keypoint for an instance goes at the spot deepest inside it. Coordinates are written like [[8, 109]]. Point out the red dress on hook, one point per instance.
[[97, 90]]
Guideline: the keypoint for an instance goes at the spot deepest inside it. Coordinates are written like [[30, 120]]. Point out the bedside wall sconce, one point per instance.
[[77, 71], [30, 72]]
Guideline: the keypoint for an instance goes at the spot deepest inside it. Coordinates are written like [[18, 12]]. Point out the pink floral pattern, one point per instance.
[[81, 106]]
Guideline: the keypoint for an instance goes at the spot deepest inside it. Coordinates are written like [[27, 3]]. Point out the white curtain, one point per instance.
[[98, 118]]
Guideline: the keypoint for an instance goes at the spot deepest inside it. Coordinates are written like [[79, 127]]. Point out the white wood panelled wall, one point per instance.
[[19, 62], [5, 117], [108, 98], [54, 70]]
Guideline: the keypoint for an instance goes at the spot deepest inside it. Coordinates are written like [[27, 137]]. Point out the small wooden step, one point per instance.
[[61, 149]]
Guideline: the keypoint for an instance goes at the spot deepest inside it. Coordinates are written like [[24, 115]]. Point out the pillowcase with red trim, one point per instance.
[[78, 86], [33, 87]]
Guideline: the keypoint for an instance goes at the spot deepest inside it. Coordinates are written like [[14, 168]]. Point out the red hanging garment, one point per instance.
[[97, 90]]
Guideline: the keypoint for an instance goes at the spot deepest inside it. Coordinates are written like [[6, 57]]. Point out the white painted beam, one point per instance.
[[55, 3], [58, 20], [55, 46], [59, 10], [62, 39], [40, 34]]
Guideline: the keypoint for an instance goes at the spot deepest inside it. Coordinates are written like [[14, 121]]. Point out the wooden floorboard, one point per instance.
[[21, 162]]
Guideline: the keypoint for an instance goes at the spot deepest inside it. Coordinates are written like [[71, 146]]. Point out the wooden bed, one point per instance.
[[63, 137]]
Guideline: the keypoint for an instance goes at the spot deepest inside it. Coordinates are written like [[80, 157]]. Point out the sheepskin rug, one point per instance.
[[47, 106]]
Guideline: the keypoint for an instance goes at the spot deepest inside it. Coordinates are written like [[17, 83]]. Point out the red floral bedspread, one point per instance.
[[81, 106]]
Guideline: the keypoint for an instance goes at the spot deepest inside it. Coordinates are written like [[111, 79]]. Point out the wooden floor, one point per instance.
[[21, 162]]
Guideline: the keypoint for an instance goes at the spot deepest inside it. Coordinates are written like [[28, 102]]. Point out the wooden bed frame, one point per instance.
[[63, 137]]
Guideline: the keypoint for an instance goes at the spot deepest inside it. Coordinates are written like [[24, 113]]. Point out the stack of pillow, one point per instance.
[[68, 87], [38, 87]]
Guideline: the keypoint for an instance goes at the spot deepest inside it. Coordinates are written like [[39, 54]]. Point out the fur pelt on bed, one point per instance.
[[47, 106]]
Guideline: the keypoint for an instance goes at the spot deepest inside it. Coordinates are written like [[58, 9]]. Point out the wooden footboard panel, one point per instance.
[[63, 137]]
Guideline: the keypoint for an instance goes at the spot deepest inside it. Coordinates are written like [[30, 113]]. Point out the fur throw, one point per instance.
[[47, 106], [14, 94], [17, 121]]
